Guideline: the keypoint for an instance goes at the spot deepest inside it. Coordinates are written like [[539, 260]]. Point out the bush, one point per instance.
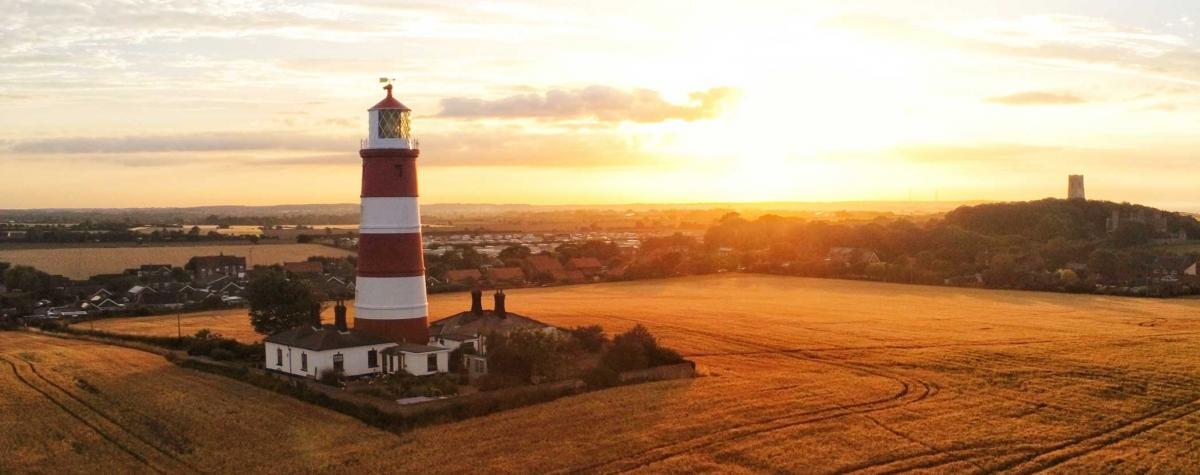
[[625, 355], [601, 377], [638, 349], [331, 377], [590, 338], [221, 354], [494, 381]]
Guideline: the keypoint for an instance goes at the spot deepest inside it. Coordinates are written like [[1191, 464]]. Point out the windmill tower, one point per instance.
[[390, 297], [1075, 187]]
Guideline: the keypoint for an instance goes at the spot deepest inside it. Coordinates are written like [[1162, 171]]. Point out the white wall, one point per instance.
[[417, 363], [354, 360]]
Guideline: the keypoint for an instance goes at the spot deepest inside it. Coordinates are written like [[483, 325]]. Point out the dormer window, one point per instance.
[[393, 124]]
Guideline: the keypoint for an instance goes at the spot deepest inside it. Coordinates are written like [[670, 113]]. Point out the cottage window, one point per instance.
[[431, 362], [303, 361], [372, 359], [338, 362], [279, 357]]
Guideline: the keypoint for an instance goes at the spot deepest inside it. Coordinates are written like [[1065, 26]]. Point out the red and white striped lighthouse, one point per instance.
[[390, 289]]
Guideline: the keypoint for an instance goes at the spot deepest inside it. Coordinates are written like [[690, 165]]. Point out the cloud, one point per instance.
[[1036, 98], [1080, 42], [194, 142], [603, 103], [469, 146], [970, 153]]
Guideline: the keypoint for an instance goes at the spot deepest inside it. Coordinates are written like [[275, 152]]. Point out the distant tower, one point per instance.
[[390, 289], [1075, 187]]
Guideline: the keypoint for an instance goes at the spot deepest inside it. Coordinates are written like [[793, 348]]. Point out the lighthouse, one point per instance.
[[390, 297]]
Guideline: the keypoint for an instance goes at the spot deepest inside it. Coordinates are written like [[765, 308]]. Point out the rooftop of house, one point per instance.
[[458, 275], [506, 273], [584, 263], [304, 267], [326, 338], [544, 263]]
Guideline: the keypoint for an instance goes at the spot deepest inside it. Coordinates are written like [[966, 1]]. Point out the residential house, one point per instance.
[[205, 268], [850, 256], [543, 268], [305, 268], [464, 277], [506, 276], [591, 267]]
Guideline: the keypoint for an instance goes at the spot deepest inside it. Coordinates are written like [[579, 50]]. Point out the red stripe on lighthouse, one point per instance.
[[390, 255], [412, 330], [390, 174]]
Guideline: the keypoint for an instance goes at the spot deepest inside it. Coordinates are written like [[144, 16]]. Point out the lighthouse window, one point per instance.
[[393, 124]]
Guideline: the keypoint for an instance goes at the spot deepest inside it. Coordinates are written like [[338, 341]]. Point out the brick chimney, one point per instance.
[[314, 316], [339, 317], [500, 312], [477, 301]]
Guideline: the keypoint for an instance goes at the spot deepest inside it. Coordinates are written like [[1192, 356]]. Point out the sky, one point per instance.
[[202, 102]]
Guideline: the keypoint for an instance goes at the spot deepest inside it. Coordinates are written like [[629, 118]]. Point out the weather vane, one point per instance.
[[388, 82]]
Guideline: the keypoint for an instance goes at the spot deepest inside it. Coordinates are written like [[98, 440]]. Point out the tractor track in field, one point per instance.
[[911, 391], [105, 416], [108, 435], [80, 418], [1074, 448]]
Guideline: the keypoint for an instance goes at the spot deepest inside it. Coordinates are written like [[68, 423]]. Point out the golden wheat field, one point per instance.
[[83, 262], [800, 375]]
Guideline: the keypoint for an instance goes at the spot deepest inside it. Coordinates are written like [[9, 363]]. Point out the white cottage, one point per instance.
[[309, 351]]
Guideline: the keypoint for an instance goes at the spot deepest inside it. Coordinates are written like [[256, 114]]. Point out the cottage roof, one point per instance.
[[415, 348], [467, 323], [325, 338]]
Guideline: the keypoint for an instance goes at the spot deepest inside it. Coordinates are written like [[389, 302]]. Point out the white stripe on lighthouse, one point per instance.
[[388, 298], [399, 215]]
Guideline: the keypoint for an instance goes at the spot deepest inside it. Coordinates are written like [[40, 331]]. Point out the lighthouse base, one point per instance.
[[411, 330]]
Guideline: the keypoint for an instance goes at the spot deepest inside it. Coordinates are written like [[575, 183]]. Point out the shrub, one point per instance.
[[494, 381], [590, 338], [638, 349], [601, 377], [626, 354], [528, 355], [330, 376], [221, 354]]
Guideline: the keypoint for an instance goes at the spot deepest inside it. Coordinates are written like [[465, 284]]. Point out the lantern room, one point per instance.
[[389, 124]]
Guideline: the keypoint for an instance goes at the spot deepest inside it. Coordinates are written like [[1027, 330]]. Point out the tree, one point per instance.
[[277, 303], [515, 252], [531, 355], [28, 279]]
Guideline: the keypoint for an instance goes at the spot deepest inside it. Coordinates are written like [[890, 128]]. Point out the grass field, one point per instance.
[[826, 376], [83, 262]]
